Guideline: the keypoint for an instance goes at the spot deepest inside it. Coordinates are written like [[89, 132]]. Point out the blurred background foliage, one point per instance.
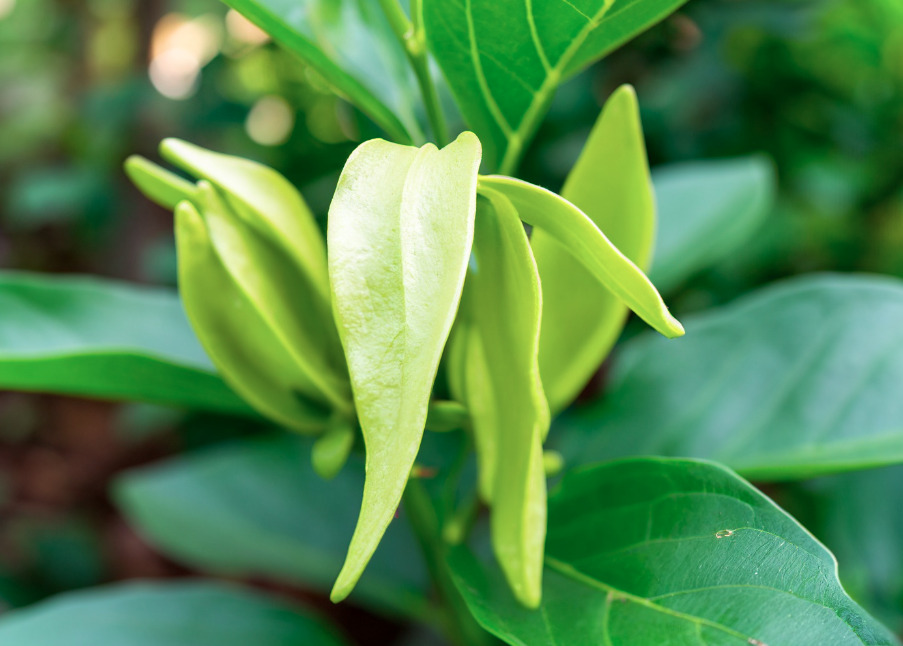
[[817, 85]]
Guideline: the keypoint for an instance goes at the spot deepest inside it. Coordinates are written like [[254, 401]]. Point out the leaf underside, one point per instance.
[[794, 381]]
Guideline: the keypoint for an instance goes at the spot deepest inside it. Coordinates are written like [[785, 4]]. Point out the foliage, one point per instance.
[[444, 326]]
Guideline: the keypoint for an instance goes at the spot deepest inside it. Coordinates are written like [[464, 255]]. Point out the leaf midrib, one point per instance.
[[541, 98]]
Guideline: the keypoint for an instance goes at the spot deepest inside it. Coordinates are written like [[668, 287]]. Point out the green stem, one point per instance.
[[461, 626], [413, 40]]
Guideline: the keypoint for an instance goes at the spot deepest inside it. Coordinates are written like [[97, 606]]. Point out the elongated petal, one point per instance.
[[252, 361], [158, 184], [581, 317], [400, 234], [503, 391], [283, 297], [572, 228], [265, 198]]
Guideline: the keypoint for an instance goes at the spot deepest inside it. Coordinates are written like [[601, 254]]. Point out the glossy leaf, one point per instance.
[[503, 59], [268, 514], [581, 319], [351, 44], [283, 296], [707, 211], [251, 357], [400, 234], [175, 614], [503, 392], [794, 381], [653, 551], [573, 229], [100, 338]]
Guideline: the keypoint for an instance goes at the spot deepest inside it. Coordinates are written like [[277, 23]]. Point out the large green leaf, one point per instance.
[[503, 392], [504, 58], [351, 44], [399, 236], [266, 513], [253, 359], [175, 614], [581, 319], [648, 551], [859, 516], [573, 229], [104, 339], [797, 380], [707, 210]]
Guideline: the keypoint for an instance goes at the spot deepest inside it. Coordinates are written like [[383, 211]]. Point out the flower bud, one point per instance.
[[253, 278]]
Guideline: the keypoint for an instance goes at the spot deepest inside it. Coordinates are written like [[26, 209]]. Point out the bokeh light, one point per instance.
[[180, 48], [270, 121]]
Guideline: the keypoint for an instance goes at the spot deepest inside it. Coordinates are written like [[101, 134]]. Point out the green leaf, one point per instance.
[[99, 338], [351, 44], [266, 513], [797, 380], [283, 296], [503, 59], [653, 551], [859, 516], [400, 234], [175, 614], [610, 183], [572, 228], [707, 211], [251, 357], [503, 392]]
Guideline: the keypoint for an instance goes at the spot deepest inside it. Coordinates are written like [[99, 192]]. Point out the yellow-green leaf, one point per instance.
[[503, 392], [576, 231], [581, 318], [399, 236], [253, 360]]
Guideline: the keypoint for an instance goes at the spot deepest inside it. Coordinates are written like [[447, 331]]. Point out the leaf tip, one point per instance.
[[675, 328], [343, 587]]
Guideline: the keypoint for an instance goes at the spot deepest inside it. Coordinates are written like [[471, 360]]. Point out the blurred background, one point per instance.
[[817, 85]]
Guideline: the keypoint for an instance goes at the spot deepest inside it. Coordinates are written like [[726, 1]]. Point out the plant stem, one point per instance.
[[461, 626], [413, 39]]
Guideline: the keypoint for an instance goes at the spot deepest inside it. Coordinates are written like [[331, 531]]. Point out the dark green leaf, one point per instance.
[[649, 551], [175, 614], [707, 210], [99, 338], [267, 513], [859, 516], [581, 319], [351, 44], [798, 380], [504, 58], [400, 235]]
